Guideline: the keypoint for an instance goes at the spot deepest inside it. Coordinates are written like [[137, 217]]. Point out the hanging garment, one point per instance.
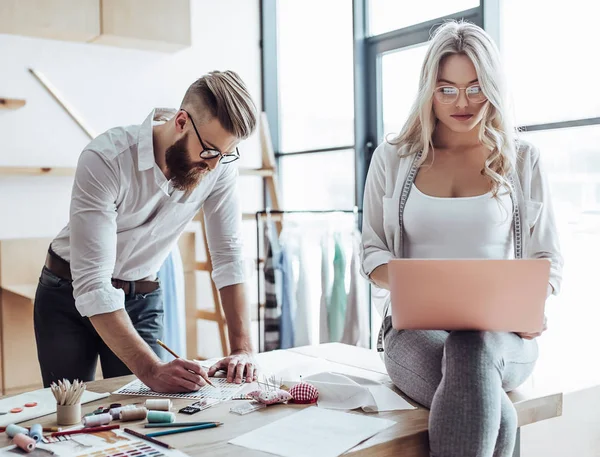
[[356, 326], [288, 299], [172, 284], [302, 318], [337, 307], [325, 292], [272, 302]]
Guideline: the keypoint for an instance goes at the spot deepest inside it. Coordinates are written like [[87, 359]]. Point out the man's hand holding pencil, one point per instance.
[[179, 375]]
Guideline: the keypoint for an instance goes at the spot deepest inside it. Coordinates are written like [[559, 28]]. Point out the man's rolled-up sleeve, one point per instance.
[[93, 241], [223, 219]]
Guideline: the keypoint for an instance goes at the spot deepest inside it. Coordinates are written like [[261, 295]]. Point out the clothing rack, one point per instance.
[[278, 216]]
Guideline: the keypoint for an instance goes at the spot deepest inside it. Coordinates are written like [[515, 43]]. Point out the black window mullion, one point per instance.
[[561, 125], [315, 151], [419, 33]]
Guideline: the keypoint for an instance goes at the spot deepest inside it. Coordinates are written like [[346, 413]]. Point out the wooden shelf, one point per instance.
[[11, 103], [37, 171]]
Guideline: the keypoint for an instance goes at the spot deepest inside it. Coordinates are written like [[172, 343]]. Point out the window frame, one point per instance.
[[368, 126]]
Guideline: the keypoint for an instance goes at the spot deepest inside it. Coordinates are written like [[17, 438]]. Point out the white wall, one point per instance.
[[109, 86]]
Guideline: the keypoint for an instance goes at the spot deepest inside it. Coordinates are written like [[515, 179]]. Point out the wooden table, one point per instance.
[[407, 438]]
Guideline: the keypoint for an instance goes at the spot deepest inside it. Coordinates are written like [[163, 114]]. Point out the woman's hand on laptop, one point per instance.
[[530, 336], [380, 276]]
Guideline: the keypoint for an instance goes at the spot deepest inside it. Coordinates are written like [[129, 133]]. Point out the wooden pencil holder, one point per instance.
[[68, 414]]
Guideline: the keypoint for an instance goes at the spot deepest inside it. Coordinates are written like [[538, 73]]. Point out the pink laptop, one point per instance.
[[493, 295]]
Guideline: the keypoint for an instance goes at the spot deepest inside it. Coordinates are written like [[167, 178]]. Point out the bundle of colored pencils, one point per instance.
[[67, 393]]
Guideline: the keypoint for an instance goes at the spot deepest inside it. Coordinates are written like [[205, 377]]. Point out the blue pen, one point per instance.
[[184, 429]]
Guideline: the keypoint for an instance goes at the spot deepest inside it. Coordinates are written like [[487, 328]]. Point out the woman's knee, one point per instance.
[[474, 341], [474, 345]]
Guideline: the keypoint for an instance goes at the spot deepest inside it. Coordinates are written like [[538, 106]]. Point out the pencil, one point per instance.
[[147, 438], [185, 429], [86, 430], [167, 348], [176, 424]]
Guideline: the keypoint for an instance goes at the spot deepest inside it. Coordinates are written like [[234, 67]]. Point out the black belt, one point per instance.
[[61, 268]]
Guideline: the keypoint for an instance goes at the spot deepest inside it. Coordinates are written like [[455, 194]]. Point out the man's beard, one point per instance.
[[185, 174]]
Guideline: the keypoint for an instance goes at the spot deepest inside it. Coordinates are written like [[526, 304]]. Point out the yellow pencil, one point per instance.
[[167, 348]]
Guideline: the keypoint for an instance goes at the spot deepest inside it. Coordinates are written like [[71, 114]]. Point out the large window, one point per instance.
[[400, 83], [548, 54], [319, 181], [316, 104]]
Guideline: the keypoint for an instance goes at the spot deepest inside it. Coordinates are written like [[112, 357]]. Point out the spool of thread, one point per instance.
[[13, 429], [97, 420], [158, 404], [164, 417], [133, 414], [24, 442], [115, 412], [36, 432]]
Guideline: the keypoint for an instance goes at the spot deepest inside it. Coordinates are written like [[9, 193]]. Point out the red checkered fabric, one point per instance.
[[304, 393]]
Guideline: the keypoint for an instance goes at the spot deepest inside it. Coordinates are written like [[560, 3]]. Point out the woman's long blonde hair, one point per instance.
[[496, 129]]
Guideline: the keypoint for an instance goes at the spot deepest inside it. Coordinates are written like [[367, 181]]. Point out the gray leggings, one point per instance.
[[462, 377]]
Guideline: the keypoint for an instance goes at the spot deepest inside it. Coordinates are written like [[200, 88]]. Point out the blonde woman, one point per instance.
[[456, 183]]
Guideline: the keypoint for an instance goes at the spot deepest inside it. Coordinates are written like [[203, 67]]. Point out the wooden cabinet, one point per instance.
[[157, 25], [72, 20], [21, 262]]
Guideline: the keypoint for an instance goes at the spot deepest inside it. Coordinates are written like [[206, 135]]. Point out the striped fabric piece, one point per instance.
[[272, 304]]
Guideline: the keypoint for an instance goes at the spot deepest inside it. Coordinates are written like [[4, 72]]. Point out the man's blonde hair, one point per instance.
[[223, 94]]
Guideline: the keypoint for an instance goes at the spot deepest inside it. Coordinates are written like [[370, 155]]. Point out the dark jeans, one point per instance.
[[68, 345]]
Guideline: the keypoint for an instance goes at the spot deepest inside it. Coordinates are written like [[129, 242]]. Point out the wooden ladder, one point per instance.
[[187, 244]]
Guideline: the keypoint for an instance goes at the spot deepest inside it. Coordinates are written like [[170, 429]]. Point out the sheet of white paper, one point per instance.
[[46, 404], [339, 391], [313, 432]]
